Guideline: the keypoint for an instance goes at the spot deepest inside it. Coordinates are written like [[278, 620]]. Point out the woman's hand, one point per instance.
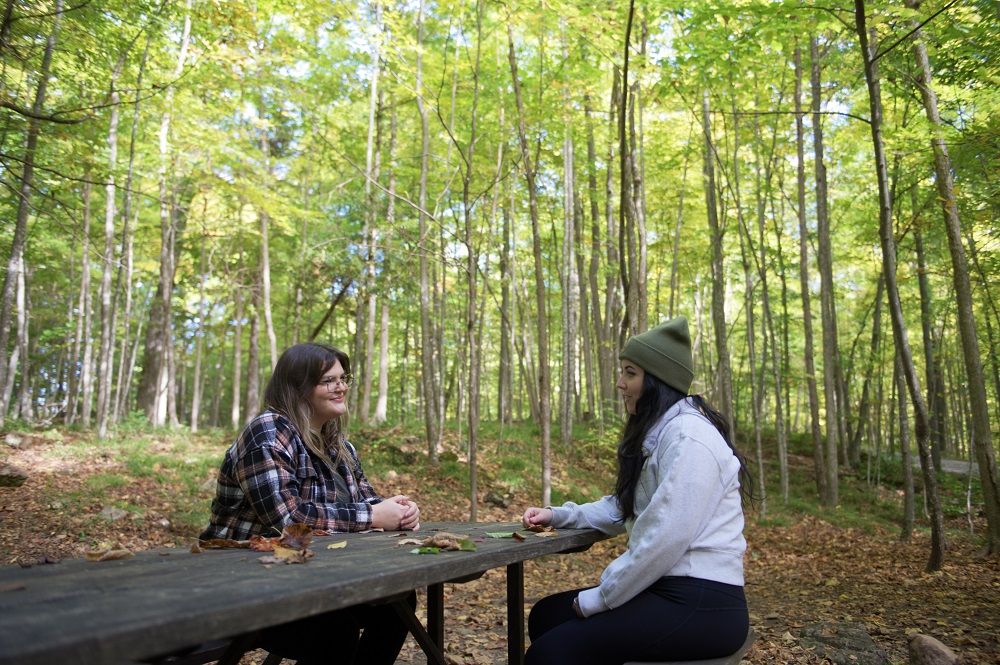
[[537, 516], [396, 514], [411, 519]]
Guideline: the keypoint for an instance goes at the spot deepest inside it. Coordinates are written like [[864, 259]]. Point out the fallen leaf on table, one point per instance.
[[410, 541], [289, 548], [337, 546], [215, 543], [113, 554], [547, 533], [538, 528], [519, 537], [294, 556], [296, 536], [444, 540], [441, 541]]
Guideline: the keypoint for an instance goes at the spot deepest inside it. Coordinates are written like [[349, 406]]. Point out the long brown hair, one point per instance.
[[295, 377]]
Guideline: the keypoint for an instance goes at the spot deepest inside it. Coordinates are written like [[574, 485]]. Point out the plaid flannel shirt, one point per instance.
[[269, 478]]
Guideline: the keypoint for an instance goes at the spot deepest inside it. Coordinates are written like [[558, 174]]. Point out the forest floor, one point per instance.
[[804, 571]]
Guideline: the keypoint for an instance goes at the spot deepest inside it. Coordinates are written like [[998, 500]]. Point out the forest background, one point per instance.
[[481, 201]]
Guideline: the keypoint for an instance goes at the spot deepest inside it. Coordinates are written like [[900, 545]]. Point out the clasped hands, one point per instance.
[[398, 513]]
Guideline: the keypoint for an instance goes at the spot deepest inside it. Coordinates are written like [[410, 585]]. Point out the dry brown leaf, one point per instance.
[[542, 534], [218, 543], [113, 554], [443, 540], [538, 528], [296, 536], [294, 556]]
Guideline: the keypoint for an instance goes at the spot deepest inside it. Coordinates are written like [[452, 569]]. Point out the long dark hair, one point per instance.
[[295, 376], [656, 398]]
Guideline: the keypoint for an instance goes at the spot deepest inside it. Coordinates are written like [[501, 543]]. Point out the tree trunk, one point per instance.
[[672, 309], [125, 269], [819, 461], [906, 528], [200, 342], [764, 183], [600, 324], [935, 393], [828, 315], [505, 378], [544, 387], [152, 391], [978, 401], [428, 360], [381, 406], [105, 362], [473, 330], [570, 289], [24, 405], [614, 300], [724, 380], [854, 449], [234, 415], [888, 243], [251, 399], [628, 258], [78, 377], [20, 234]]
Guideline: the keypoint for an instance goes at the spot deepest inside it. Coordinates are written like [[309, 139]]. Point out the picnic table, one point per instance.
[[82, 612]]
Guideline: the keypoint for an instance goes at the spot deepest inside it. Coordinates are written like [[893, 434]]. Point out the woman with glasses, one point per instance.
[[293, 465]]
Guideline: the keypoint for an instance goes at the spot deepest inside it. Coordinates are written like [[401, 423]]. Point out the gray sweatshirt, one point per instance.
[[689, 517]]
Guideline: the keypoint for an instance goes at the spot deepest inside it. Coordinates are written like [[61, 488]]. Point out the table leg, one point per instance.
[[435, 614], [515, 613], [433, 652]]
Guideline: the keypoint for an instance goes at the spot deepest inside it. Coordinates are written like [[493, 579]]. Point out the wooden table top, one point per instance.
[[82, 612]]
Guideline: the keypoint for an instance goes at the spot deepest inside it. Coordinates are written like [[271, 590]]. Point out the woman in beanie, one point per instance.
[[676, 593]]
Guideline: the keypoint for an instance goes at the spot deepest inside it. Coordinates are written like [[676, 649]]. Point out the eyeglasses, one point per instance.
[[331, 383]]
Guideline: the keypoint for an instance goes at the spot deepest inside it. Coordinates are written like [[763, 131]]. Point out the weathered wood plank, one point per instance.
[[92, 613]]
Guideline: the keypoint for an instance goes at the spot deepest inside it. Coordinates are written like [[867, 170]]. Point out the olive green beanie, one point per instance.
[[664, 352]]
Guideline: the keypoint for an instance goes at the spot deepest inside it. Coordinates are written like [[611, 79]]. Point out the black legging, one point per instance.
[[359, 635], [677, 618]]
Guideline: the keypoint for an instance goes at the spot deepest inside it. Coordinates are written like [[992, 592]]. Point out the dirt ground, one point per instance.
[[807, 572]]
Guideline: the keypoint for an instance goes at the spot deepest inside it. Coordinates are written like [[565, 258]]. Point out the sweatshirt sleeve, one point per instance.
[[602, 515], [688, 488]]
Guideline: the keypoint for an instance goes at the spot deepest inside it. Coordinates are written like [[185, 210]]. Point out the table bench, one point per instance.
[[158, 602]]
